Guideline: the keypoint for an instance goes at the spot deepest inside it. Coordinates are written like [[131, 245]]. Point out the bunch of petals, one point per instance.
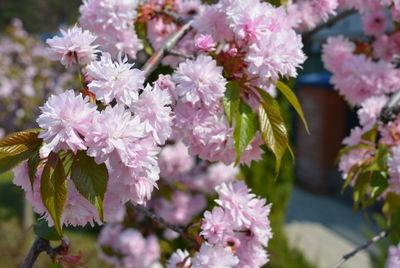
[[181, 208], [78, 211], [393, 163], [249, 20], [212, 20], [74, 44], [112, 21], [199, 81], [175, 160], [374, 22], [356, 76], [158, 31], [66, 118], [239, 222], [210, 256], [386, 47], [276, 54], [154, 110], [354, 138], [350, 159], [206, 180], [304, 15], [362, 5], [179, 259], [128, 248], [393, 259], [370, 110], [114, 80], [120, 140]]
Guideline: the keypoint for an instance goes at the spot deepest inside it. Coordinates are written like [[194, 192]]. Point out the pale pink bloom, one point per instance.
[[113, 22], [74, 44], [393, 260], [370, 110], [199, 81], [249, 20], [235, 198], [253, 151], [78, 211], [179, 259], [350, 159], [276, 54], [302, 16], [354, 138], [215, 225], [113, 131], [251, 255], [212, 20], [387, 47], [115, 80], [324, 8], [335, 51], [114, 210], [204, 42], [129, 247], [206, 133], [21, 176], [374, 22], [181, 208], [66, 118], [210, 256], [153, 108], [219, 173], [164, 82], [175, 160]]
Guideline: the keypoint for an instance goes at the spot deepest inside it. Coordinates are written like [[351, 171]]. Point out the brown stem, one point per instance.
[[40, 245], [164, 223], [171, 42], [363, 247]]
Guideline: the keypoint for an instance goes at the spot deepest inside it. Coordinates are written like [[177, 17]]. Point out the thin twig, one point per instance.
[[40, 245], [328, 24], [363, 247], [177, 53], [164, 223], [157, 57], [171, 14]]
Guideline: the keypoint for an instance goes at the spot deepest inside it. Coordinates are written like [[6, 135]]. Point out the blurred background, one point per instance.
[[313, 223]]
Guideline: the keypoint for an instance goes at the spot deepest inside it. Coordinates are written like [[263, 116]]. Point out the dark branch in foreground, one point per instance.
[[157, 57], [328, 24], [391, 110], [40, 245], [363, 247], [164, 223]]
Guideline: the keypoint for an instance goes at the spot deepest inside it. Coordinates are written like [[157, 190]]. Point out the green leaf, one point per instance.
[[141, 31], [291, 97], [370, 135], [245, 129], [392, 203], [231, 100], [10, 162], [53, 189], [90, 179], [19, 142], [273, 131], [42, 230], [33, 163], [18, 147]]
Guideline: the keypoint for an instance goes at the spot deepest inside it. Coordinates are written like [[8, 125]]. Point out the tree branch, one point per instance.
[[391, 109], [328, 24], [362, 247], [40, 245], [157, 57], [177, 53], [164, 223]]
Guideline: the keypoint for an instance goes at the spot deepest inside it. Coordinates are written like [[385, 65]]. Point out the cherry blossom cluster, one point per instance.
[[27, 77], [366, 74], [126, 247], [235, 232]]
